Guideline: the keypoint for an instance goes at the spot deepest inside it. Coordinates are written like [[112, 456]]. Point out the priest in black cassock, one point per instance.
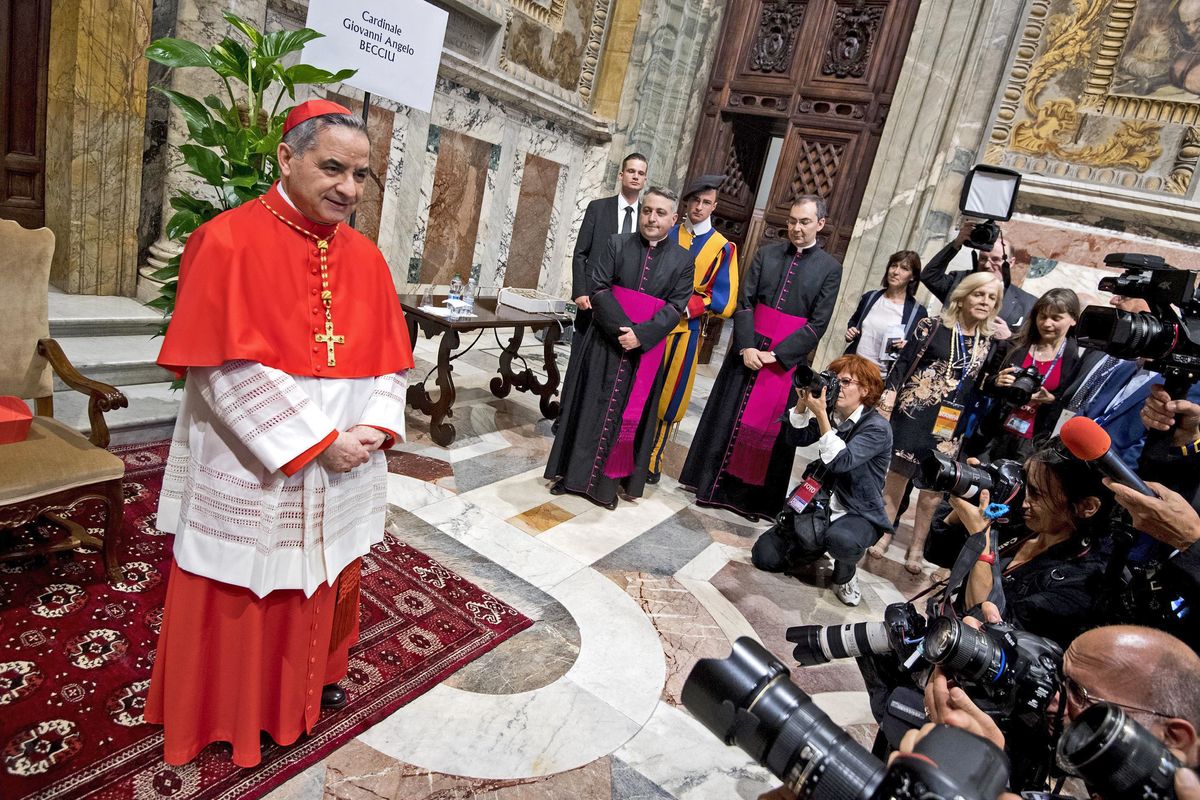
[[739, 458], [640, 285]]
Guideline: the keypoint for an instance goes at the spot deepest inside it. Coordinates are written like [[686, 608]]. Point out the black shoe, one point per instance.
[[558, 488], [653, 477], [333, 697]]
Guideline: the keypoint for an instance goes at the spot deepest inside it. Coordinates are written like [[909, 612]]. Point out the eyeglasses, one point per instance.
[[847, 381], [992, 259], [1082, 699]]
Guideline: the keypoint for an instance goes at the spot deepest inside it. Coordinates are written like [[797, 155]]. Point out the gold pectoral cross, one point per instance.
[[329, 340]]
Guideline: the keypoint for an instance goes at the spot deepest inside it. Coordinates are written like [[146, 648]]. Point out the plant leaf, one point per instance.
[[182, 223], [280, 43], [194, 113], [177, 53], [246, 28], [307, 73], [165, 274], [204, 162], [231, 59]]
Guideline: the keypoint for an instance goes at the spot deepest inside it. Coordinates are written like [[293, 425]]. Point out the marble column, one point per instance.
[[96, 105], [199, 21], [935, 133], [671, 59]]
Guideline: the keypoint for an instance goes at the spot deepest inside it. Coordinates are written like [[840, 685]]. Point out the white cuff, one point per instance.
[[800, 419], [829, 445]]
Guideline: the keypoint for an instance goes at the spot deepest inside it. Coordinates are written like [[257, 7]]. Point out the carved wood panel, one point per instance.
[[24, 61], [818, 73]]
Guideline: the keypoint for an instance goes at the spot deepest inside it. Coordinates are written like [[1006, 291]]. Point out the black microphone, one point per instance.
[[1087, 441]]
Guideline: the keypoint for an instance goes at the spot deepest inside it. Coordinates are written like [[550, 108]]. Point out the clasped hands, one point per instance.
[[757, 359], [351, 448]]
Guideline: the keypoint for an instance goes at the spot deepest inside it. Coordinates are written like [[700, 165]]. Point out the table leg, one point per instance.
[[503, 383], [526, 380], [442, 432], [550, 406]]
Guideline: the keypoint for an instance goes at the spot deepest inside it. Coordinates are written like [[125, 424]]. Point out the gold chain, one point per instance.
[[329, 339]]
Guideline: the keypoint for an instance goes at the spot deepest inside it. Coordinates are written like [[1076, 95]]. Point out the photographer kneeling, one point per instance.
[[838, 506]]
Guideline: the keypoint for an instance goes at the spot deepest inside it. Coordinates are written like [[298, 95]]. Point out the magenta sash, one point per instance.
[[761, 418], [638, 307]]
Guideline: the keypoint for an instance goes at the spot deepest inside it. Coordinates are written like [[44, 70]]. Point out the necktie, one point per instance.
[[1093, 383], [627, 223]]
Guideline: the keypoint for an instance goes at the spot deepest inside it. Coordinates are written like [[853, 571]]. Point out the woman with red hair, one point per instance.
[[838, 506]]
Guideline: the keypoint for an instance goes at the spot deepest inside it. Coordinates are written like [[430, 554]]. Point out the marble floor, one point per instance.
[[585, 704]]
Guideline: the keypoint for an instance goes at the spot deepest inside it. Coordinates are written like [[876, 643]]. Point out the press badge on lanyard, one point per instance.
[[804, 494], [947, 421]]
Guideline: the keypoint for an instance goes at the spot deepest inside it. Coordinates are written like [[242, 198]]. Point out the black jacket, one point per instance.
[[812, 294], [856, 474], [1047, 413], [599, 223], [1015, 308], [913, 313]]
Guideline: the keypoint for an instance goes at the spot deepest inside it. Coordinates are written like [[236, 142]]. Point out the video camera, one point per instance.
[[1169, 340], [805, 378], [748, 699]]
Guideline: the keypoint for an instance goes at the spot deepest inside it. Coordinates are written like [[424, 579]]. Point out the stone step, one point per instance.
[[149, 417], [119, 360], [90, 315]]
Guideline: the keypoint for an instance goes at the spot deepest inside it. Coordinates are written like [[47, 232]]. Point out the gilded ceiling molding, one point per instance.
[[1055, 124], [1185, 162]]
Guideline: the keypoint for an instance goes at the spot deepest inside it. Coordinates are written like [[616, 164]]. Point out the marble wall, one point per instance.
[[464, 172], [96, 104], [527, 255], [380, 122]]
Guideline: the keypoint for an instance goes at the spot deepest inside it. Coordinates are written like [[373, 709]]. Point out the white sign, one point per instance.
[[395, 45]]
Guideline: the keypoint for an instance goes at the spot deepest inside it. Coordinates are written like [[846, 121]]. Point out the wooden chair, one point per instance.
[[56, 467]]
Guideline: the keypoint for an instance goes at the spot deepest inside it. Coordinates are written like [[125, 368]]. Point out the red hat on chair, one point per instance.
[[309, 109]]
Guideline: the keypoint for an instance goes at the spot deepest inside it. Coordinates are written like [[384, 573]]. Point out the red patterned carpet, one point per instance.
[[75, 657]]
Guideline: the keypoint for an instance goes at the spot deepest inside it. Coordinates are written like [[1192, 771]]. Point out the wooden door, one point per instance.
[[820, 75], [24, 59]]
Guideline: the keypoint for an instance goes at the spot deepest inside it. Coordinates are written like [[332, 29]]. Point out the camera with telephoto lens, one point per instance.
[[1167, 339], [983, 236], [748, 699], [1116, 757], [805, 378], [1011, 674], [900, 632], [1003, 478]]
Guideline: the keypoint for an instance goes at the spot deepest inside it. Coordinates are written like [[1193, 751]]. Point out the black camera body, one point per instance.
[[749, 700], [1167, 339], [983, 236], [1016, 672], [805, 378], [1003, 478], [1026, 382]]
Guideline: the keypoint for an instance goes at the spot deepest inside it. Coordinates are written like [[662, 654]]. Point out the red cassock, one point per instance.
[[231, 664]]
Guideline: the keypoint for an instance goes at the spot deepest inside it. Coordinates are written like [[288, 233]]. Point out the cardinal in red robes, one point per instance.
[[290, 333]]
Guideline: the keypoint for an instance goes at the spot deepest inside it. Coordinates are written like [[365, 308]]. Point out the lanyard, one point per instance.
[[1054, 362]]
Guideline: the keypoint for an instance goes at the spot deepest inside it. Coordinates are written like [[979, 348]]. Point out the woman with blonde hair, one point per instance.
[[927, 391]]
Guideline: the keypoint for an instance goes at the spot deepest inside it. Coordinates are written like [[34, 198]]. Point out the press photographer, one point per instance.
[[989, 194], [1150, 682], [838, 506], [1049, 578]]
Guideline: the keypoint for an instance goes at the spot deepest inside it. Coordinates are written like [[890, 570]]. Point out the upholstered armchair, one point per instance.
[[55, 468]]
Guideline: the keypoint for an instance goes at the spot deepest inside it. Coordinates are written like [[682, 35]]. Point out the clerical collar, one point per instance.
[[288, 210], [654, 243], [802, 249], [700, 228]]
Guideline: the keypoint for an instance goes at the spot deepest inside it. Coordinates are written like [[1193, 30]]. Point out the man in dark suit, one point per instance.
[[1017, 302], [603, 218]]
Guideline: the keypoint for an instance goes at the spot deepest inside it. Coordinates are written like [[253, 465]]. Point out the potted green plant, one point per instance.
[[232, 139]]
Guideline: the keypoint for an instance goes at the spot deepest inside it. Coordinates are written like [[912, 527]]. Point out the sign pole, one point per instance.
[[366, 112]]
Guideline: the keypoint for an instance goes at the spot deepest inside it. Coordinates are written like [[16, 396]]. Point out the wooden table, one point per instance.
[[487, 315]]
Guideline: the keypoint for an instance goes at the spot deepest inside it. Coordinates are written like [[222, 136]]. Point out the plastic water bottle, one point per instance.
[[456, 287], [468, 298]]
